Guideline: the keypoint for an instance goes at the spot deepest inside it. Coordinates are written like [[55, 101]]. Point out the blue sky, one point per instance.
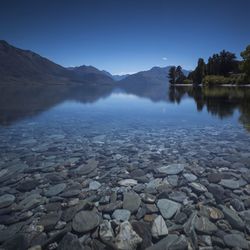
[[123, 36]]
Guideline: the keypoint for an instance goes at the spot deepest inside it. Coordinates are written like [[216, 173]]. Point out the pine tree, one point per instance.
[[172, 75]]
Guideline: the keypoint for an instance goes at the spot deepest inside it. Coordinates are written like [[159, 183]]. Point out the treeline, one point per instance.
[[221, 68]]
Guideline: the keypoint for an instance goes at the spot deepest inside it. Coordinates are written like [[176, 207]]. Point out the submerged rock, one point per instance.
[[159, 227], [106, 232], [85, 221], [203, 225], [55, 190], [168, 208], [172, 169], [128, 182], [236, 240], [131, 202], [70, 242], [127, 238], [232, 217], [121, 214], [6, 200]]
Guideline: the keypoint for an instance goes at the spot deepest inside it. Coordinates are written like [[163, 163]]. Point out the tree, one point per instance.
[[200, 71], [180, 77], [245, 65], [172, 75]]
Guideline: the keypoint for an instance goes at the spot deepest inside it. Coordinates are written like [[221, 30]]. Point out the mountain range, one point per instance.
[[24, 66]]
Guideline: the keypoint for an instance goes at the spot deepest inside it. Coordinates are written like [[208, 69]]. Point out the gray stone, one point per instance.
[[94, 185], [128, 182], [190, 177], [177, 196], [131, 202], [106, 232], [144, 231], [85, 221], [159, 227], [232, 217], [172, 169], [231, 184], [168, 208], [70, 242], [27, 185], [236, 240], [87, 168], [203, 225], [48, 221], [31, 201], [171, 242], [55, 190], [6, 200], [121, 214], [197, 187], [127, 238]]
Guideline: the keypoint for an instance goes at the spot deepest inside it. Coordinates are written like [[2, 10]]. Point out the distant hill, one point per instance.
[[115, 77], [91, 73], [17, 65], [156, 75]]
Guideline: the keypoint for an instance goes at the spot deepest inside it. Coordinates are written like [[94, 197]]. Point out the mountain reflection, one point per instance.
[[22, 101]]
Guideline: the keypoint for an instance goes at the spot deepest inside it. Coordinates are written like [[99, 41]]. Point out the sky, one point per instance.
[[125, 36]]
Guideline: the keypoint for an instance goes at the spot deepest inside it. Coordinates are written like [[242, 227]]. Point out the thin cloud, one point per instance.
[[164, 58]]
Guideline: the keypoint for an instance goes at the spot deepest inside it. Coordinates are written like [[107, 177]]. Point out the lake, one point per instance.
[[66, 149]]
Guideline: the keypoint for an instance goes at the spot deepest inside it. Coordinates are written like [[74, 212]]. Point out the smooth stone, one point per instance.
[[17, 242], [148, 198], [85, 221], [144, 231], [171, 242], [237, 204], [168, 208], [48, 221], [203, 225], [171, 169], [190, 177], [31, 201], [6, 200], [128, 182], [127, 238], [232, 217], [231, 184], [177, 196], [131, 202], [159, 227], [245, 215], [70, 242], [215, 213], [55, 190], [94, 185], [87, 168], [109, 208], [70, 193], [217, 191], [121, 214], [214, 177], [236, 240], [27, 185], [197, 187], [106, 232]]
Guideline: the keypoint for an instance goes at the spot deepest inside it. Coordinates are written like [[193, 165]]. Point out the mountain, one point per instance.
[[18, 65], [115, 77], [156, 75], [152, 84], [91, 73]]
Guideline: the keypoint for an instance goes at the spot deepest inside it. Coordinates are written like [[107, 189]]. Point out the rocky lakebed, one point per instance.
[[167, 188]]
